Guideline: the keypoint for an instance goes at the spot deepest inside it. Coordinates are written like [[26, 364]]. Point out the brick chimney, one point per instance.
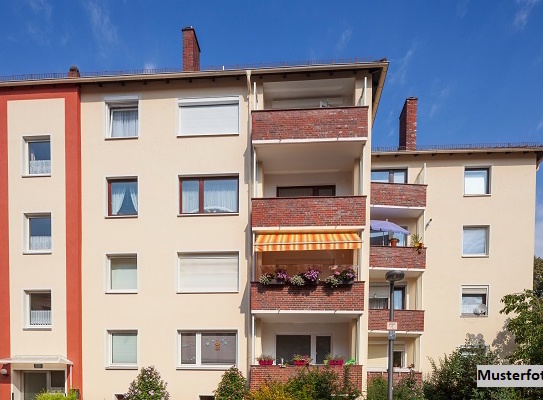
[[191, 50], [74, 72], [408, 125]]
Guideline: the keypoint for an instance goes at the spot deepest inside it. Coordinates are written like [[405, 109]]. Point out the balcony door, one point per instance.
[[289, 345]]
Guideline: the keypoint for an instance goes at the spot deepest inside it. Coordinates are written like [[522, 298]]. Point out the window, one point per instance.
[[36, 381], [219, 116], [389, 175], [123, 349], [476, 181], [210, 349], [122, 197], [123, 118], [379, 297], [303, 191], [474, 301], [38, 156], [379, 238], [209, 195], [122, 274], [397, 359], [39, 232], [475, 241], [208, 272], [39, 309]]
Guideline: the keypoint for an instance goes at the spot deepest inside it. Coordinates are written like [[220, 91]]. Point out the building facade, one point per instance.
[[151, 219]]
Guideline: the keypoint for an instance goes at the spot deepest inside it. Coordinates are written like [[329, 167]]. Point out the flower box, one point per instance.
[[300, 362], [336, 362], [265, 362]]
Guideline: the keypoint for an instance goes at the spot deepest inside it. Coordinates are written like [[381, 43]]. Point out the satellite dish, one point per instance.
[[481, 309]]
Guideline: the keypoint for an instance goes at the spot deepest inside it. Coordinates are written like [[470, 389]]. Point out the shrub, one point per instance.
[[147, 386], [232, 386], [271, 391], [72, 395], [322, 384]]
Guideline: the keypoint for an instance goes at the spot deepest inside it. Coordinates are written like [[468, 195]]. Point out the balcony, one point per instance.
[[397, 200], [261, 374], [408, 320], [282, 212], [302, 298], [388, 257], [310, 124]]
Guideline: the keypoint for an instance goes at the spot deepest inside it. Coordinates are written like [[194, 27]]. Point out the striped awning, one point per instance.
[[307, 241]]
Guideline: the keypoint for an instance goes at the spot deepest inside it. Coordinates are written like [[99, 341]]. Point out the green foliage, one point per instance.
[[147, 386], [271, 391], [455, 378], [72, 395], [406, 389], [233, 385], [538, 276]]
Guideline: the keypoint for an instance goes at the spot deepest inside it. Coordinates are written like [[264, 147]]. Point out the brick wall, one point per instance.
[[397, 257], [396, 376], [316, 298], [309, 211], [398, 194], [408, 125], [315, 123], [191, 50], [261, 374], [408, 320]]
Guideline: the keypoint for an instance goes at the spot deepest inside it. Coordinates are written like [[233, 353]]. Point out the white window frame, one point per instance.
[[27, 325], [27, 218], [109, 258], [475, 289], [208, 101], [120, 102], [488, 177], [109, 349], [208, 253], [198, 364], [487, 241], [26, 154]]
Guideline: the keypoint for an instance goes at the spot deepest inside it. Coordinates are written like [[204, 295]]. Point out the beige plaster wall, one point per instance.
[[342, 182]]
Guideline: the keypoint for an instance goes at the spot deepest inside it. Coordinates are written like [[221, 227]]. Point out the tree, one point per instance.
[[455, 378], [538, 276], [147, 386], [232, 386]]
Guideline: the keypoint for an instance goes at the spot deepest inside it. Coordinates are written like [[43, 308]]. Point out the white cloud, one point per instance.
[[398, 76], [40, 7], [440, 94], [344, 39], [539, 126], [523, 14], [103, 29], [149, 66], [539, 228]]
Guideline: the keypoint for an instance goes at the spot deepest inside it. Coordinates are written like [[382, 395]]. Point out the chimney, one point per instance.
[[408, 125], [191, 50], [74, 72]]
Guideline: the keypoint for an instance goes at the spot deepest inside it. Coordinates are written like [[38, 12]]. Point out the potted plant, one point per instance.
[[265, 279], [312, 276], [300, 359], [333, 280], [265, 359], [297, 280], [279, 278], [416, 240], [347, 276], [334, 359], [394, 241]]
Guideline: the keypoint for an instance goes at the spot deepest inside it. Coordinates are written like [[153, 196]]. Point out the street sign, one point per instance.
[[392, 326]]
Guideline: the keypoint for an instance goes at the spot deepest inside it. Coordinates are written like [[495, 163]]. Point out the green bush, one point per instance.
[[406, 389], [271, 391], [147, 386], [233, 386], [72, 395]]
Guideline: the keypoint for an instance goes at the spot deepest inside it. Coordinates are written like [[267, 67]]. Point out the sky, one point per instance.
[[476, 66]]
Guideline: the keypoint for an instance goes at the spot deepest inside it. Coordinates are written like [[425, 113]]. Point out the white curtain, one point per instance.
[[40, 242], [124, 274], [474, 241], [124, 348], [133, 187], [39, 167], [221, 195], [190, 197], [124, 123], [118, 191]]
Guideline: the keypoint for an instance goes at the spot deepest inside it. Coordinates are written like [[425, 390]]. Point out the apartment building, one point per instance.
[[138, 213]]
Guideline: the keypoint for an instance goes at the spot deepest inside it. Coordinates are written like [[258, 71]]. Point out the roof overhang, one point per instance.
[[31, 359], [306, 317]]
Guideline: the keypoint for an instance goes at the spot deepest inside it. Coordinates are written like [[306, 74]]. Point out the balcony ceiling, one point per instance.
[[378, 274], [393, 212], [305, 317], [313, 157]]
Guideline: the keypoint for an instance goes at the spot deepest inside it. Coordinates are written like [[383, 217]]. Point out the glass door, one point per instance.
[[34, 383], [323, 347]]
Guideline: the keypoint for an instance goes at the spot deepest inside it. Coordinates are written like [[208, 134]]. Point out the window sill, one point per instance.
[[33, 252], [208, 214], [204, 367], [473, 316], [211, 292], [36, 175], [121, 216], [38, 328], [120, 367], [475, 256], [196, 135], [478, 195], [121, 137], [134, 291]]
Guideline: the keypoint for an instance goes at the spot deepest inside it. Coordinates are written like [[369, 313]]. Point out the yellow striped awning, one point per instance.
[[307, 241]]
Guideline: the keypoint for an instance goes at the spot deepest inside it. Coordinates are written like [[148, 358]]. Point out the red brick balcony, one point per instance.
[[408, 320], [397, 257], [314, 123], [314, 298], [309, 211], [398, 194], [261, 374], [396, 376]]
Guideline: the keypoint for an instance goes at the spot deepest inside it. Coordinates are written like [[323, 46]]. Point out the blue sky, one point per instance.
[[476, 66]]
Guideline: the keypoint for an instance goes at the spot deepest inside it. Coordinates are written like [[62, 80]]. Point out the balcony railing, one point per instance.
[[309, 211], [261, 374], [397, 257], [310, 124], [308, 298], [398, 194], [40, 317], [408, 320]]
